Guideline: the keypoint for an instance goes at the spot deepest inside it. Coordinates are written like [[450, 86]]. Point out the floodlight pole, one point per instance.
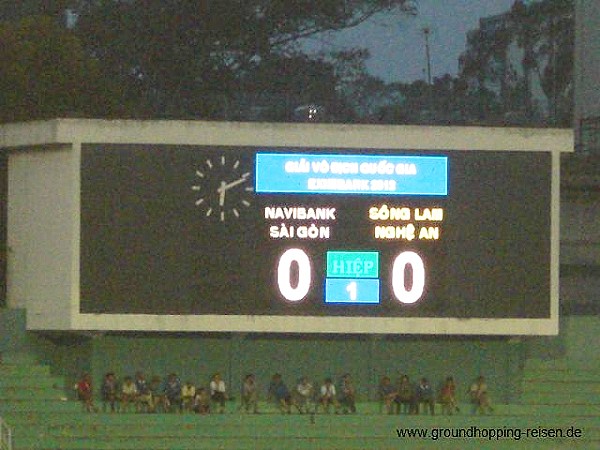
[[426, 32]]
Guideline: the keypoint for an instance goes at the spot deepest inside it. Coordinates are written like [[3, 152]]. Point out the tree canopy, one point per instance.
[[200, 58], [45, 72], [244, 60]]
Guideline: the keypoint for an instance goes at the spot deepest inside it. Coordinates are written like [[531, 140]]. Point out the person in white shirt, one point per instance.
[[218, 393], [304, 394], [128, 394], [480, 397], [328, 396]]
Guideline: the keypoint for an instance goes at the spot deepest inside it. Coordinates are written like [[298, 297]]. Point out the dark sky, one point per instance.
[[396, 43]]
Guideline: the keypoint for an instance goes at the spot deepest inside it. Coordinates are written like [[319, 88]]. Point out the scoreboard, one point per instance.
[[317, 239], [351, 275]]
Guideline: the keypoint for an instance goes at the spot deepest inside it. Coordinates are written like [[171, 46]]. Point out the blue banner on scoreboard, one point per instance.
[[298, 173], [348, 290]]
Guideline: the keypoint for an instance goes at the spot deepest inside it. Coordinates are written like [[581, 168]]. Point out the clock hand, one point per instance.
[[228, 186], [221, 192], [224, 187]]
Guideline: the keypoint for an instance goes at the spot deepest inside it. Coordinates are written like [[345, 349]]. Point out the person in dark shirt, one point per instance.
[[109, 392], [347, 396], [201, 401], [387, 393], [424, 396], [145, 401], [405, 399], [279, 392], [172, 391], [159, 401]]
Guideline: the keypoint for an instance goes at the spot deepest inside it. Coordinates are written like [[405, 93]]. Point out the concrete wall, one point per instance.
[[12, 330], [580, 253], [580, 231], [587, 64], [43, 213], [587, 58], [583, 341], [3, 218]]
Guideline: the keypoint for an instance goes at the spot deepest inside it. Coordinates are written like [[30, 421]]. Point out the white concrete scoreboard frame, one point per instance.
[[45, 224]]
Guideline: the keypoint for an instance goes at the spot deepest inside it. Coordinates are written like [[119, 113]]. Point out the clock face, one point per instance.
[[224, 187]]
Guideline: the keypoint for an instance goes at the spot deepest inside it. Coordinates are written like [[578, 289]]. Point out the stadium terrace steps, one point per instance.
[[568, 386], [561, 364], [22, 359], [27, 387], [23, 370], [310, 443], [44, 382], [570, 396], [275, 431], [9, 394], [73, 431], [563, 376], [42, 406]]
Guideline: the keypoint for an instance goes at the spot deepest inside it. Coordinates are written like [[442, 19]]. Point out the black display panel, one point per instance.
[[188, 230]]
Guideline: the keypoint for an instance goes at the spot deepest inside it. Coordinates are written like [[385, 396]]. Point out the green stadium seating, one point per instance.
[[559, 391], [43, 419]]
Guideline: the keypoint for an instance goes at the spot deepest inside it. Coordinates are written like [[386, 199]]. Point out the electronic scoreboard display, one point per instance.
[[281, 238]]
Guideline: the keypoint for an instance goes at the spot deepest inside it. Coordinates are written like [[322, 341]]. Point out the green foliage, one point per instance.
[[542, 33], [209, 58], [15, 10], [240, 60], [45, 72]]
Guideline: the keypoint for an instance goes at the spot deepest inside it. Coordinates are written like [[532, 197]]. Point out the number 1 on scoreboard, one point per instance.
[[352, 289]]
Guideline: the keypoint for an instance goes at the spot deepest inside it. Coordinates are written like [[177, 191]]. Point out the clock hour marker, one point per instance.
[[245, 203], [208, 212], [200, 174], [249, 189], [245, 175], [209, 163], [195, 188], [222, 216], [223, 160], [236, 164], [199, 201], [235, 212]]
